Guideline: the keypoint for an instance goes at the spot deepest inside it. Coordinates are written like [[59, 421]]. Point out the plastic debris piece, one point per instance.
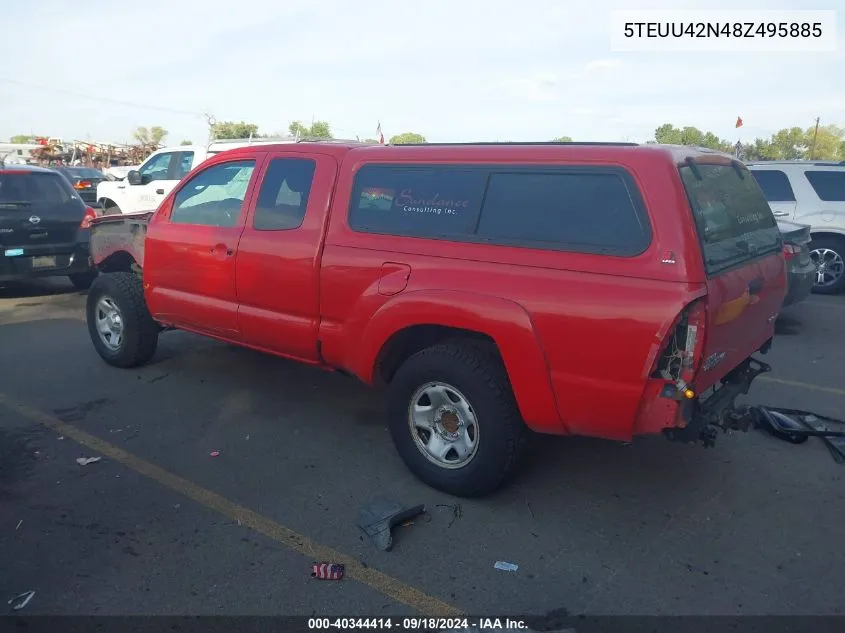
[[214, 453], [327, 571], [18, 526], [61, 437], [84, 461], [503, 566], [377, 519], [20, 601], [457, 511]]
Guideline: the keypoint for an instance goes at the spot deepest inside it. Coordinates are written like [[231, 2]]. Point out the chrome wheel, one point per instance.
[[829, 266], [109, 322], [443, 425]]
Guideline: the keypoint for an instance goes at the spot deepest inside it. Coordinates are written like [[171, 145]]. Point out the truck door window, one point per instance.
[[284, 194], [214, 196], [183, 167], [156, 168]]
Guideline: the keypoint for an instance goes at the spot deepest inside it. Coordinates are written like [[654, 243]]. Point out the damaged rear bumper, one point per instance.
[[705, 417]]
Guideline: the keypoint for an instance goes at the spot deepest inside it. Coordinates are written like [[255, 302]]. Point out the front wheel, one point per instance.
[[454, 419], [828, 254], [121, 328], [112, 210]]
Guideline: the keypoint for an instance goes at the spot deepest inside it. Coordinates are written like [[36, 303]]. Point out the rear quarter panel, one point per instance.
[[112, 234], [578, 333]]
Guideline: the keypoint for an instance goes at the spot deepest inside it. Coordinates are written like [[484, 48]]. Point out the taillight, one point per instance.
[[90, 214], [82, 184], [683, 347], [790, 250]]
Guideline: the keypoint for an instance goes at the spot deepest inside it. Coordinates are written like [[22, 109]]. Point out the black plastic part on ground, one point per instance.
[[797, 426]]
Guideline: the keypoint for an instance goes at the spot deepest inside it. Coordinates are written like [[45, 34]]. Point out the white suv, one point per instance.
[[145, 187], [813, 193]]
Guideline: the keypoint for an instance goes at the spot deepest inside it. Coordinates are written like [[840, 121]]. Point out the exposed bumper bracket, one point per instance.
[[705, 419]]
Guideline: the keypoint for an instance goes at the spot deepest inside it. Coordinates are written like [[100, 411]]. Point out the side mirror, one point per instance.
[[133, 177]]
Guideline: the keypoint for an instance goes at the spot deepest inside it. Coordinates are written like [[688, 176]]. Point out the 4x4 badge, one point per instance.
[[34, 219]]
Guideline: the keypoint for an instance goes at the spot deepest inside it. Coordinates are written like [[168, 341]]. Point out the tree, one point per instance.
[[830, 143], [152, 136], [318, 129], [233, 129], [407, 138], [186, 142], [671, 135], [22, 138], [562, 139]]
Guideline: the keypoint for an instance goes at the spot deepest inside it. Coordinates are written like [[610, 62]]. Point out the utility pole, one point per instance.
[[815, 134]]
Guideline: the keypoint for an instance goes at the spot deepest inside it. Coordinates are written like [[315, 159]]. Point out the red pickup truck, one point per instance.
[[608, 290]]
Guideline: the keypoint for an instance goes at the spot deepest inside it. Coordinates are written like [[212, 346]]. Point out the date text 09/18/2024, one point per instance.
[[418, 624]]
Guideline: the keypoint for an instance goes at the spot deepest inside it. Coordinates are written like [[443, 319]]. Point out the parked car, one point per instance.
[[800, 268], [582, 289], [85, 181], [811, 192], [44, 227], [144, 187]]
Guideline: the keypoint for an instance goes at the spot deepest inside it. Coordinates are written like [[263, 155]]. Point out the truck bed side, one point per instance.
[[119, 236]]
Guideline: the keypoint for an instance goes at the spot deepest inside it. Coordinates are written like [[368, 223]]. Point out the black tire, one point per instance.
[[837, 245], [83, 281], [482, 378], [140, 331]]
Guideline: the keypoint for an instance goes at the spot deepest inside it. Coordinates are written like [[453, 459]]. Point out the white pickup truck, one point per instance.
[[143, 189]]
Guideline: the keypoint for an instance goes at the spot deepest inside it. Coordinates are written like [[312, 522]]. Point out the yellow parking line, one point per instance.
[[387, 585], [803, 385]]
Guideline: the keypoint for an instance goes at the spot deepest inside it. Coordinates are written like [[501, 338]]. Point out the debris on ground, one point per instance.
[[84, 461], [327, 571], [377, 519], [457, 511], [504, 566], [60, 438], [214, 453], [796, 427], [20, 601], [18, 526], [528, 505]]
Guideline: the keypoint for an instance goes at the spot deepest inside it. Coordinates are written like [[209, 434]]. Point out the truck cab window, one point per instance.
[[214, 196], [284, 194], [156, 168]]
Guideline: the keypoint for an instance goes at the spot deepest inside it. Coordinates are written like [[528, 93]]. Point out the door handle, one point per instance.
[[160, 192], [781, 214]]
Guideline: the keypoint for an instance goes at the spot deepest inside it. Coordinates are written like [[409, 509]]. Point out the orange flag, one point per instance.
[[739, 121]]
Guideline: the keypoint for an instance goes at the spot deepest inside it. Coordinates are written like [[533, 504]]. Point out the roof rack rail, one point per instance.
[[818, 163], [605, 143], [317, 139], [255, 139]]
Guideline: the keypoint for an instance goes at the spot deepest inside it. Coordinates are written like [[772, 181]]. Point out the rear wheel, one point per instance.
[[121, 328], [828, 254], [454, 419], [83, 281]]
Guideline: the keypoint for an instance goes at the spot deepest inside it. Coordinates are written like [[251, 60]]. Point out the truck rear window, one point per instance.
[[734, 221]]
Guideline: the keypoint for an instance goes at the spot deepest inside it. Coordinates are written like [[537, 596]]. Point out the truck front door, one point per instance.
[[189, 252], [159, 175]]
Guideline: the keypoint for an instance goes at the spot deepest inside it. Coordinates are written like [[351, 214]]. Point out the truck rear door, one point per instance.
[[742, 250]]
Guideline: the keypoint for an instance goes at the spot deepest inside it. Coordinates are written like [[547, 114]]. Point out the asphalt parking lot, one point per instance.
[[160, 526]]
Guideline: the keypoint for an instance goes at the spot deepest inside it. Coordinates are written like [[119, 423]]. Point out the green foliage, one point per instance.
[[318, 129], [186, 142], [152, 136], [233, 129], [786, 144], [407, 138], [562, 139], [22, 139]]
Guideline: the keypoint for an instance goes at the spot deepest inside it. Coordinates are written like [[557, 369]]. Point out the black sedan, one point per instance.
[[84, 180]]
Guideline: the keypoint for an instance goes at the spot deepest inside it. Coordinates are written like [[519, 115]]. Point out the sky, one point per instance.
[[452, 70]]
